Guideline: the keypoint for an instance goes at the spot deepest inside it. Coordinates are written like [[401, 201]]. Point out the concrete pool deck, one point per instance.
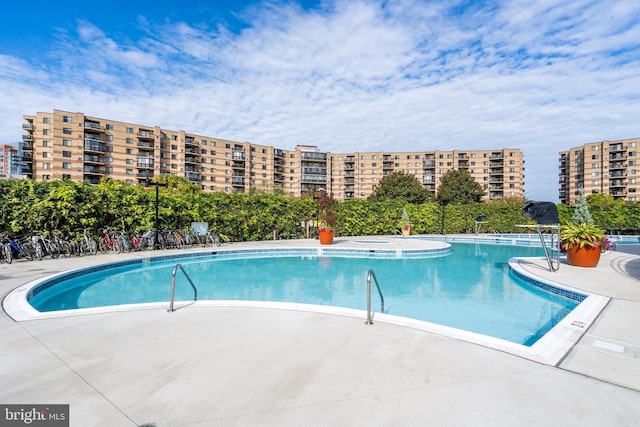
[[235, 366]]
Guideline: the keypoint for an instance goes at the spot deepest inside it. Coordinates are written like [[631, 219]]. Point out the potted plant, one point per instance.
[[581, 240], [583, 243], [405, 223], [327, 217]]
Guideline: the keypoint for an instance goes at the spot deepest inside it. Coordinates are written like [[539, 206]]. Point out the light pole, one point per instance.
[[158, 185]]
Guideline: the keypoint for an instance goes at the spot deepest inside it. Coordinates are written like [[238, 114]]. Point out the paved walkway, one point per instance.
[[233, 366]]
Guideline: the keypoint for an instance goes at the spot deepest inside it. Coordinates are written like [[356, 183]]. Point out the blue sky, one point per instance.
[[541, 76]]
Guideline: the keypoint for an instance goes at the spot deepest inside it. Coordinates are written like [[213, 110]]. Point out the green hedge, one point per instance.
[[29, 206]]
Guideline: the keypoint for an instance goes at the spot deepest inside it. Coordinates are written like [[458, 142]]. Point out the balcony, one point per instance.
[[93, 158], [91, 180], [314, 178], [314, 171], [429, 164], [617, 165], [145, 145], [238, 155], [190, 141], [617, 183], [387, 165], [616, 147], [145, 134], [27, 126], [618, 156], [349, 166], [93, 126], [190, 159], [192, 176], [93, 170], [90, 136], [278, 153], [237, 181], [27, 138], [313, 156], [94, 146]]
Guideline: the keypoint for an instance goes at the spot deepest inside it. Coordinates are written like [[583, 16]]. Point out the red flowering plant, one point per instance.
[[327, 217]]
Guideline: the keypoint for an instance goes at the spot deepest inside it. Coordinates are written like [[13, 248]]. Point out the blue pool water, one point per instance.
[[471, 288]]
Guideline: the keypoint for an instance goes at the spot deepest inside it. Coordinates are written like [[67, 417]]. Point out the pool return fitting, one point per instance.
[[370, 275], [173, 287]]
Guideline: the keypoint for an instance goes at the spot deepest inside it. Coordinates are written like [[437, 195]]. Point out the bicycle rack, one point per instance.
[[173, 286], [370, 275]]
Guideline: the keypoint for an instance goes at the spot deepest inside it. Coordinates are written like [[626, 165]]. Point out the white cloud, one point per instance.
[[542, 76]]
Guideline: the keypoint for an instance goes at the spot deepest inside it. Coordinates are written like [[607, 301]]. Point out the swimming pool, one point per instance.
[[469, 287]]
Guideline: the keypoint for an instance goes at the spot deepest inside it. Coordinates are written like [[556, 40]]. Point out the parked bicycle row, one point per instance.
[[85, 242]]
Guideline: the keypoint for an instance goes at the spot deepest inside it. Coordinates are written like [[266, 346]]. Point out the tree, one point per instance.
[[458, 187], [400, 186], [581, 213]]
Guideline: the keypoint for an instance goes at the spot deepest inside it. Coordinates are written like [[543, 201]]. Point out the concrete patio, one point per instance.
[[253, 365]]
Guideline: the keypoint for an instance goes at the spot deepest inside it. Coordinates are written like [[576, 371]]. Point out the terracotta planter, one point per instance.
[[583, 257], [407, 229], [326, 236]]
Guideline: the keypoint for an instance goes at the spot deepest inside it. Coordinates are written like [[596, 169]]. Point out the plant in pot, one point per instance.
[[583, 243], [327, 217], [581, 240], [405, 223]]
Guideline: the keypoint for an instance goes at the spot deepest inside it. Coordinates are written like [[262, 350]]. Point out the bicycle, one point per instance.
[[108, 242], [22, 249], [86, 244], [45, 247], [63, 245], [5, 250]]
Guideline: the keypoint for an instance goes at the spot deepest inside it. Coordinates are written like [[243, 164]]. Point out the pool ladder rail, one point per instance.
[[173, 287], [372, 275]]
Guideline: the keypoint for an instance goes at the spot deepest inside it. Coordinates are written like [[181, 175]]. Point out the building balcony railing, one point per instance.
[[144, 134], [190, 159], [238, 155], [190, 141], [314, 171], [93, 136], [278, 153], [237, 181], [314, 178], [92, 158], [386, 158], [27, 138], [27, 157], [91, 180], [144, 164], [27, 126], [148, 173], [94, 146], [618, 156], [95, 170], [617, 165], [239, 165], [93, 126], [617, 174], [191, 176], [387, 165], [616, 147], [145, 145], [313, 156], [617, 183]]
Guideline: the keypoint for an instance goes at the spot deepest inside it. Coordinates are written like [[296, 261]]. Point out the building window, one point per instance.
[[66, 165], [66, 176], [46, 131], [46, 166], [174, 166], [129, 130], [66, 131], [109, 137], [46, 120], [46, 143], [108, 169], [66, 119], [66, 154], [174, 147], [129, 172], [46, 177], [129, 151], [174, 137], [129, 140], [129, 161], [595, 148], [108, 159], [66, 142], [203, 142], [46, 154], [108, 126], [174, 157]]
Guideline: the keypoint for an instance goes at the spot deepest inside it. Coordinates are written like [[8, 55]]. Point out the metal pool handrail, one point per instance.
[[371, 274], [173, 286]]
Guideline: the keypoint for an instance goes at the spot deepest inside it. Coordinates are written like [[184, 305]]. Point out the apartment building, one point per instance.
[[499, 172], [10, 161], [75, 146], [608, 167]]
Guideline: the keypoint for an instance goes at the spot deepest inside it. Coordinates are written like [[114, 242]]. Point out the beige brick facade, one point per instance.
[[607, 167], [82, 148]]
